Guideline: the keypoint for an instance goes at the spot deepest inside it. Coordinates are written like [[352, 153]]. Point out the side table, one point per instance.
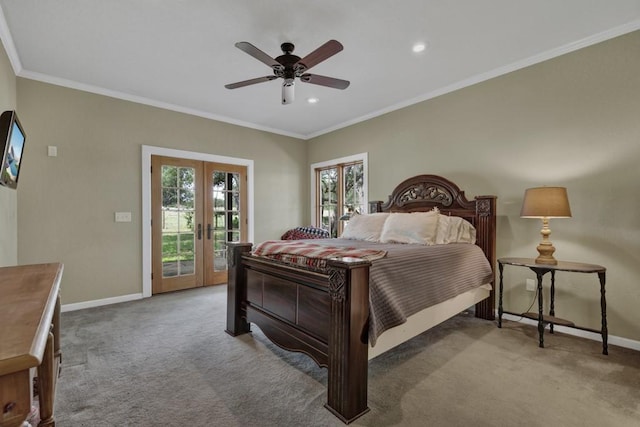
[[541, 270]]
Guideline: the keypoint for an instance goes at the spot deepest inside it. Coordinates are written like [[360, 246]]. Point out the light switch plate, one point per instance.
[[123, 216], [52, 150]]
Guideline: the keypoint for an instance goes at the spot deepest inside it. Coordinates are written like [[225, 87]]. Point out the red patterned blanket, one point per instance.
[[300, 252]]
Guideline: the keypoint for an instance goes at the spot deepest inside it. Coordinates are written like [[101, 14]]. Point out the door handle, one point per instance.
[[208, 231], [199, 231]]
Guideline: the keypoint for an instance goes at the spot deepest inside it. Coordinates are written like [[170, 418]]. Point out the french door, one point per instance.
[[197, 207]]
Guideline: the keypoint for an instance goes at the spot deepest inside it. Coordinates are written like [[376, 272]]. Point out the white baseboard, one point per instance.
[[612, 339], [99, 302]]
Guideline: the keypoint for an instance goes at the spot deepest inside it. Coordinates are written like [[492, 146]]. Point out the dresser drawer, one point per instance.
[[15, 398]]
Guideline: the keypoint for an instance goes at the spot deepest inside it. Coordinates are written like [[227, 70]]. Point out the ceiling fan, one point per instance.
[[289, 66]]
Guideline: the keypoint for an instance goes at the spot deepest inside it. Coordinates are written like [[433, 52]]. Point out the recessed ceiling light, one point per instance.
[[419, 47], [312, 100]]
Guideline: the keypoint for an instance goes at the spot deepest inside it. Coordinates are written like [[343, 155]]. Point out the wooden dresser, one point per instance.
[[29, 338]]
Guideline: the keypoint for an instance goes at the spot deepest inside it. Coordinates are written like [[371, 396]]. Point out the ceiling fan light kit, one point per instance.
[[289, 67], [288, 94]]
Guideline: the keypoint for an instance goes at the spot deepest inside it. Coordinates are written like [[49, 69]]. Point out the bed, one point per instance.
[[327, 315]]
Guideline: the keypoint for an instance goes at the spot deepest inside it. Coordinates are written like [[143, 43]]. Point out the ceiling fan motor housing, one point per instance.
[[288, 62]]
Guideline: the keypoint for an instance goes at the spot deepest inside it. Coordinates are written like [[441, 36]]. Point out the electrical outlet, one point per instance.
[[531, 285]]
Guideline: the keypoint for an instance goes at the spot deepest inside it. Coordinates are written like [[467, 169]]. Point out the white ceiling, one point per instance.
[[179, 54]]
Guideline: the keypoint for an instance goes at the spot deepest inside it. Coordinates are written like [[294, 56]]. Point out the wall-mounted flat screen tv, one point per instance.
[[12, 138]]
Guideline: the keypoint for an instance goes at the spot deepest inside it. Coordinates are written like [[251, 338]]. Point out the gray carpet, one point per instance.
[[166, 361]]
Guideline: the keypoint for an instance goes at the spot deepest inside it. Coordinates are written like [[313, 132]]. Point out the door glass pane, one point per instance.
[[235, 221], [353, 189], [187, 266], [219, 220], [178, 238], [328, 188], [186, 198], [226, 215], [235, 182], [235, 200], [169, 197], [186, 243], [219, 239]]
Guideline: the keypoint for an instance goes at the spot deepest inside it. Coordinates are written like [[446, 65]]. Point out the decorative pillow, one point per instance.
[[300, 233], [453, 229], [416, 227], [365, 227]]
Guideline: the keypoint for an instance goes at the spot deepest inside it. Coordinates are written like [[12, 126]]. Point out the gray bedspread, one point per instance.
[[414, 277]]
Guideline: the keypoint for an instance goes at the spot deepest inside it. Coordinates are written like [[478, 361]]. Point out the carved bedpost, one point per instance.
[[348, 338], [486, 229], [375, 206], [237, 289]]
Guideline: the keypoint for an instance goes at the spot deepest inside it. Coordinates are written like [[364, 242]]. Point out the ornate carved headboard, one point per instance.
[[424, 192]]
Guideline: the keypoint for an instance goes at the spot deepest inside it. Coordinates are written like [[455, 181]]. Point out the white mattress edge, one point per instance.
[[426, 319]]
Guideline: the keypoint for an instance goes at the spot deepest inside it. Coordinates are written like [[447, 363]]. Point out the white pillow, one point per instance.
[[453, 229], [416, 227], [442, 234], [365, 227]]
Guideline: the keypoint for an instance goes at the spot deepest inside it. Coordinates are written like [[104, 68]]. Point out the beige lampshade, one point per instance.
[[545, 202]]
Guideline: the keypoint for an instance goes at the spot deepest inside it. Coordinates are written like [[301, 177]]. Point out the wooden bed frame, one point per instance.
[[325, 315]]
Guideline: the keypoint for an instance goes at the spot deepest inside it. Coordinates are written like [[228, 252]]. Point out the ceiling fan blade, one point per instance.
[[258, 54], [325, 81], [250, 82], [325, 51]]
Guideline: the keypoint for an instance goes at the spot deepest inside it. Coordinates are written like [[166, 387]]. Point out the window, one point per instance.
[[338, 189]]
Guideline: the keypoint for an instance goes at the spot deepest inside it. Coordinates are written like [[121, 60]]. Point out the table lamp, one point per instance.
[[545, 203]]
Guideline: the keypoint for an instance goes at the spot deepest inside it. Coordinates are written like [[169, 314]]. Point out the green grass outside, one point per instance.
[[172, 222], [170, 247], [176, 228]]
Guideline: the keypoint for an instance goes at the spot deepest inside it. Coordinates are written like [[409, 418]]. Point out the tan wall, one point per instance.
[[67, 203], [572, 121], [8, 197]]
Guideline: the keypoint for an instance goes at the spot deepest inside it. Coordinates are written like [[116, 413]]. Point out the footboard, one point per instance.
[[321, 315]]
